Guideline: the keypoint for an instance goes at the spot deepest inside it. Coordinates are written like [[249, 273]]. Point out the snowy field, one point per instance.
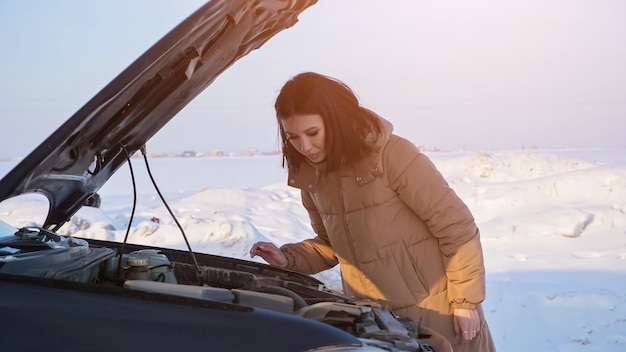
[[553, 226]]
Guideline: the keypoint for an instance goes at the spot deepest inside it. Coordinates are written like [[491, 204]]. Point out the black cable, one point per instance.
[[132, 213], [145, 158]]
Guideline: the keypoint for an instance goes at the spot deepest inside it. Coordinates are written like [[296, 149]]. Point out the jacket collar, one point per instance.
[[363, 171]]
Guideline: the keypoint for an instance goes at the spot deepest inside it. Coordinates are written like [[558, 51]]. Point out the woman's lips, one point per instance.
[[314, 157]]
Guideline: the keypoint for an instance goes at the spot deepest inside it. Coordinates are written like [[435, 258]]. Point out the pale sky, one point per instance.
[[474, 74]]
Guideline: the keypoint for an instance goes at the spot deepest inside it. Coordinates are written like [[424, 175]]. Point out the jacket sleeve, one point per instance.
[[423, 189], [313, 255]]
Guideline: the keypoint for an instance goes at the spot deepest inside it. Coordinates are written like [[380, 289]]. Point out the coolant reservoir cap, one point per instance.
[[138, 262]]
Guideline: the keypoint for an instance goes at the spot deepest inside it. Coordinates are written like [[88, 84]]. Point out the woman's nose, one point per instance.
[[305, 145]]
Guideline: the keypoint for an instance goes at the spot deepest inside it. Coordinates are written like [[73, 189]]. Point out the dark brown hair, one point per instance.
[[346, 123]]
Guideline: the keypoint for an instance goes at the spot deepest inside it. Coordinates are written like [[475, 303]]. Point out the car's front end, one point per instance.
[[67, 293]]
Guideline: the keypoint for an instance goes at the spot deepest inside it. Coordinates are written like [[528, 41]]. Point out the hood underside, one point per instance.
[[80, 156]]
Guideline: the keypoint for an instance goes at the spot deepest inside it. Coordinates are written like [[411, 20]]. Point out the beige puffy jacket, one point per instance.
[[399, 233]]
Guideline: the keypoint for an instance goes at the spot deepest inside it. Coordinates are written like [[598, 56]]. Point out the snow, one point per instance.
[[553, 227]]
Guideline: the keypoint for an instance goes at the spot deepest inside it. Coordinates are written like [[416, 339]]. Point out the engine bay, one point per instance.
[[159, 271]]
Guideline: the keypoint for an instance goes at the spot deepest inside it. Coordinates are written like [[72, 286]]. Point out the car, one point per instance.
[[68, 293]]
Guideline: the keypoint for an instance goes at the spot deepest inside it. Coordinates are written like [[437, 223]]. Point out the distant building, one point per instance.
[[215, 153]]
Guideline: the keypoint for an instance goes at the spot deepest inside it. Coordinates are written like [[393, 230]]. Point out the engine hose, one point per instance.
[[298, 301]]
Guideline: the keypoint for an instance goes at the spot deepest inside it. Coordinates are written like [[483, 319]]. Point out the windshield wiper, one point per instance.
[[38, 233]]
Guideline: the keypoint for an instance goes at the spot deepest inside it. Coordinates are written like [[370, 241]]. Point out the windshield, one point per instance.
[[6, 229], [28, 209]]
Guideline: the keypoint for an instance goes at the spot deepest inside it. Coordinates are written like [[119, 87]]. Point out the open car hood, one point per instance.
[[74, 162]]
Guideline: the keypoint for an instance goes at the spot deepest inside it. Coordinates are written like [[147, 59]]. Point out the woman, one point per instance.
[[380, 210]]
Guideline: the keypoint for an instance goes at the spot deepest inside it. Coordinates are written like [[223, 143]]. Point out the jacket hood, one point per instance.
[[75, 161]]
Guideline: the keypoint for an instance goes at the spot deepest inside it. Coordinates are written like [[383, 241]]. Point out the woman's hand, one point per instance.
[[466, 324], [270, 253]]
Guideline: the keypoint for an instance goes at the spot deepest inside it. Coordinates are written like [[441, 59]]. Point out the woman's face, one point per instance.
[[306, 133]]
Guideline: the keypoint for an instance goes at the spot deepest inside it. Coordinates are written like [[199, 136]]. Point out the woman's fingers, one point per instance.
[[466, 324], [269, 252], [260, 247]]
